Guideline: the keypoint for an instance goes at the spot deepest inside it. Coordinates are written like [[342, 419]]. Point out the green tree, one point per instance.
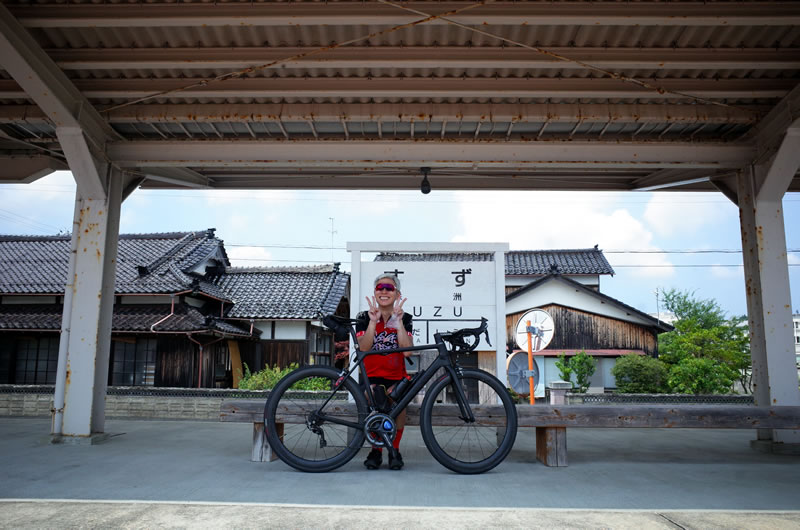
[[701, 376], [581, 365], [564, 369], [702, 331], [639, 374]]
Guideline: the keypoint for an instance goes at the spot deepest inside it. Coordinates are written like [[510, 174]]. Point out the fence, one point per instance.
[[203, 403], [686, 399]]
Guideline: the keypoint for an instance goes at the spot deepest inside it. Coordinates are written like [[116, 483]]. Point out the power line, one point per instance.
[[617, 251]]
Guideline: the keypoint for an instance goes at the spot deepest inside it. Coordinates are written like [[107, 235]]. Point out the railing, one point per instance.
[[687, 399]]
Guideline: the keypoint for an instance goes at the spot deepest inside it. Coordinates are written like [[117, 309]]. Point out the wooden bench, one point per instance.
[[551, 421]]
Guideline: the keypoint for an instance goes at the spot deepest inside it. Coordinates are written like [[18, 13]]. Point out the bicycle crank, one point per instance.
[[380, 429]]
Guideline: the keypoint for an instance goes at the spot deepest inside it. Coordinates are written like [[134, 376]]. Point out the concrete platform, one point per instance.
[[194, 474]]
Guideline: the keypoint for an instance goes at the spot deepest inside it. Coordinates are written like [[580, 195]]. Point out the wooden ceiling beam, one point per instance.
[[190, 14], [377, 57], [408, 112], [422, 87]]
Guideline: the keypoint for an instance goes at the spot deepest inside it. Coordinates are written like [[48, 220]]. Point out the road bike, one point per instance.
[[317, 417]]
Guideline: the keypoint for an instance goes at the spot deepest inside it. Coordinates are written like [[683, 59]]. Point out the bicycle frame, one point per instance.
[[443, 360]]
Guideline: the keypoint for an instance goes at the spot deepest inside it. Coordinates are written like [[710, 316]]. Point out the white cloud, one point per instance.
[[249, 256], [671, 214], [531, 221], [727, 273], [45, 206]]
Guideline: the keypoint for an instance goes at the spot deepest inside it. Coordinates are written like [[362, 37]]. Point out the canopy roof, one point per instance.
[[595, 95]]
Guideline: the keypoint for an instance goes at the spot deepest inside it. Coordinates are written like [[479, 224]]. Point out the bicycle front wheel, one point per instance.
[[302, 428], [460, 445]]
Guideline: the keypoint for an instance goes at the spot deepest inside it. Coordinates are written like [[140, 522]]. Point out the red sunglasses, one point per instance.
[[384, 287]]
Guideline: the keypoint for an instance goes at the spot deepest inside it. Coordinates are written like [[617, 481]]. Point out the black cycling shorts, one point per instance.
[[387, 383]]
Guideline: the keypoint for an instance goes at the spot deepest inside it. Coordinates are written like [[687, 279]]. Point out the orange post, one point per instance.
[[530, 360]]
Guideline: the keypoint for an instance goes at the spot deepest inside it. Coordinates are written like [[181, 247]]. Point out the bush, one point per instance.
[[564, 369], [269, 377], [701, 376], [581, 365], [639, 374]]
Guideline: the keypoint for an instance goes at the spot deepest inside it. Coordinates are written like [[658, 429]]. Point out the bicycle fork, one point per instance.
[[461, 397]]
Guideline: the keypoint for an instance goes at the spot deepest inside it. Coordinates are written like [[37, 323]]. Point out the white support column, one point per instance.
[[760, 194], [355, 293], [500, 315], [746, 197], [87, 315]]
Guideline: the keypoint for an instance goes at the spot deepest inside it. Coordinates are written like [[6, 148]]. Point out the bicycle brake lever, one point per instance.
[[486, 333]]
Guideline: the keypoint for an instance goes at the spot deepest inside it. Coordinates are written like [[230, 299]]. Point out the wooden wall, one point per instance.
[[579, 330], [281, 353]]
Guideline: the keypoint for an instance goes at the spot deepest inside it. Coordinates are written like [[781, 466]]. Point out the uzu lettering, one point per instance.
[[436, 311]]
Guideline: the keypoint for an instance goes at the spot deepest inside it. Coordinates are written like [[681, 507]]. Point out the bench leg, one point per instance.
[[262, 452], [551, 446]]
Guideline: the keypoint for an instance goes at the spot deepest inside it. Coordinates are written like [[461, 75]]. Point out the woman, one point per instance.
[[385, 326]]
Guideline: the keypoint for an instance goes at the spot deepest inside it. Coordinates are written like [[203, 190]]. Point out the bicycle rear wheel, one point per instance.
[[462, 446], [296, 431]]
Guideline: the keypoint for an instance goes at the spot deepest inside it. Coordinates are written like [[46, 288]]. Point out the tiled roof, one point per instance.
[[572, 261], [286, 293], [146, 263], [131, 318], [525, 262]]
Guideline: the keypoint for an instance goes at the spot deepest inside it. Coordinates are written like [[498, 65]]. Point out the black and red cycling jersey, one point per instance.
[[390, 366]]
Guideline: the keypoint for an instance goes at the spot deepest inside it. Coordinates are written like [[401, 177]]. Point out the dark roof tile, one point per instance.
[[285, 293], [146, 263], [131, 318], [524, 262]]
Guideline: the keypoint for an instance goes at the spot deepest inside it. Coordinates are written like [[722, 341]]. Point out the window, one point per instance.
[[134, 362], [36, 361], [321, 347]]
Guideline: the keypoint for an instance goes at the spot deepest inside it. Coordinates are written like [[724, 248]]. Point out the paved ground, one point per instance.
[[198, 474]]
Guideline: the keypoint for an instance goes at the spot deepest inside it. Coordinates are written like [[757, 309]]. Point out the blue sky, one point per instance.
[[282, 228]]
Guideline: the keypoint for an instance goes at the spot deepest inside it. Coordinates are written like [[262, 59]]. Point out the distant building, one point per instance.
[[796, 325], [566, 283], [182, 316]]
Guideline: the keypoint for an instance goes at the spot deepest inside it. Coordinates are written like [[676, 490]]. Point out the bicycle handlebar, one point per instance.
[[455, 338]]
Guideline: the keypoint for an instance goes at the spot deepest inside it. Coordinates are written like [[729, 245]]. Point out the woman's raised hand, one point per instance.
[[373, 311]]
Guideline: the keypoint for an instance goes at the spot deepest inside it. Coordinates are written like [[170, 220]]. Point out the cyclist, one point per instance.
[[385, 326]]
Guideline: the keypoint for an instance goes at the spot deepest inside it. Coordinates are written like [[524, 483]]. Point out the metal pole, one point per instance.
[[530, 362]]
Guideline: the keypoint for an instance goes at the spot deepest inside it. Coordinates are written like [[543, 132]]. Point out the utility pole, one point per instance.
[[332, 232], [658, 307]]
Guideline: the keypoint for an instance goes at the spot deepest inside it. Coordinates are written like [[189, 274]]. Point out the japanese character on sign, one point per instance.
[[461, 276]]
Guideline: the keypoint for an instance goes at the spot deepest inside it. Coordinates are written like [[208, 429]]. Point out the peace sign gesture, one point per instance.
[[397, 311], [373, 311]]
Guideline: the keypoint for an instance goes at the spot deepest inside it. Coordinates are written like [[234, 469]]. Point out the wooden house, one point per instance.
[[175, 318], [284, 304], [584, 320]]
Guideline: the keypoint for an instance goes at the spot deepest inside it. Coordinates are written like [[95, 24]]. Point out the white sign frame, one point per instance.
[[499, 301]]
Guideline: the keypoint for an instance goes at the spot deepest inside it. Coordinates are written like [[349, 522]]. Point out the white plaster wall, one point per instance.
[[265, 327], [290, 329], [555, 292]]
